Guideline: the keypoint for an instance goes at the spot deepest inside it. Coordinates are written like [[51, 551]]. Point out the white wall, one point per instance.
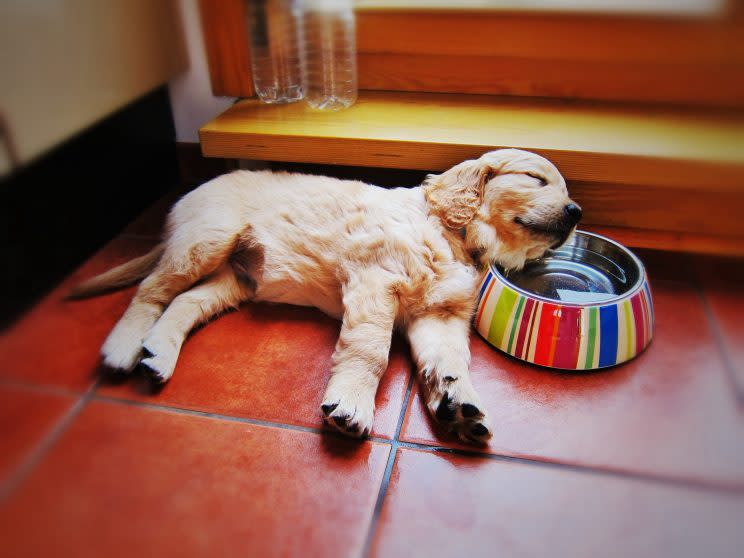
[[65, 65], [190, 93]]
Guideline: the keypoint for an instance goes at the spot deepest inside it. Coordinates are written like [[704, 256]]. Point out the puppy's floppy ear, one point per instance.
[[456, 194]]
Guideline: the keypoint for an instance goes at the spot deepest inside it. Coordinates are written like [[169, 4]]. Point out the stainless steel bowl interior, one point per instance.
[[588, 269]]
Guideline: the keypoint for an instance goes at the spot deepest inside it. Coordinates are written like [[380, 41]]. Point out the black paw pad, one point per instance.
[[445, 411], [352, 429], [151, 373], [328, 408], [479, 430], [340, 421], [469, 410], [147, 353]]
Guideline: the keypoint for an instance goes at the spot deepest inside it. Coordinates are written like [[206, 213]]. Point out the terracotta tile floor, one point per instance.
[[230, 457]]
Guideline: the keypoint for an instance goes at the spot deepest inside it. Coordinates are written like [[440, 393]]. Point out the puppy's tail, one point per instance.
[[121, 276]]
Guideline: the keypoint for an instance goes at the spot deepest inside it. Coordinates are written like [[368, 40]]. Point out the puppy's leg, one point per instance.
[[441, 349], [197, 305], [181, 265], [360, 357]]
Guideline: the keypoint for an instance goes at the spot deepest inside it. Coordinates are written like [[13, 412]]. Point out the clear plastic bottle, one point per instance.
[[328, 29], [276, 49]]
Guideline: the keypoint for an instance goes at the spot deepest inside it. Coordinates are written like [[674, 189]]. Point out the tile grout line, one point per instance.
[[232, 418], [20, 384], [582, 469], [394, 445], [728, 363], [723, 351], [27, 466], [218, 416]]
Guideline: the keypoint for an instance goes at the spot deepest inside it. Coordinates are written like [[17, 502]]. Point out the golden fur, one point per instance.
[[378, 259]]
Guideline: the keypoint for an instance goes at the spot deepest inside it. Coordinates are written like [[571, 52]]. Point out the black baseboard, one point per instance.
[[61, 208]]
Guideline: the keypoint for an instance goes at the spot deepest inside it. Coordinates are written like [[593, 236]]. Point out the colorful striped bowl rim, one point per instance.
[[569, 336]]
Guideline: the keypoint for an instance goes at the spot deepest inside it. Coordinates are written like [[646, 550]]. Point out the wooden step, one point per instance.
[[636, 168]]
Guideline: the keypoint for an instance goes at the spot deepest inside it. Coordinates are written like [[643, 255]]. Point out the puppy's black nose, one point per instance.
[[573, 212]]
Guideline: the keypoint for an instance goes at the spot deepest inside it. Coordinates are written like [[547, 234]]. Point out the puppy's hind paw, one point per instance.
[[465, 419]]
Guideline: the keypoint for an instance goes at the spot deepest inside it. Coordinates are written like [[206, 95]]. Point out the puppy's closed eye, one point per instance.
[[543, 181]]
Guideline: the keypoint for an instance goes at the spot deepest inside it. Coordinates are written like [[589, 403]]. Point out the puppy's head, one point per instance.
[[512, 204]]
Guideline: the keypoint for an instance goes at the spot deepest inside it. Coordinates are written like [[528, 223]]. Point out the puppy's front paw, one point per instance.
[[454, 404], [122, 350], [351, 413]]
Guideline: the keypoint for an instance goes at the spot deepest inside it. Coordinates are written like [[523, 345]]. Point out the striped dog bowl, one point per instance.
[[584, 306]]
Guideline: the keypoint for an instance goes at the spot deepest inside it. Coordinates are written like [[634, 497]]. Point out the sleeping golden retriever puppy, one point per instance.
[[375, 258]]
